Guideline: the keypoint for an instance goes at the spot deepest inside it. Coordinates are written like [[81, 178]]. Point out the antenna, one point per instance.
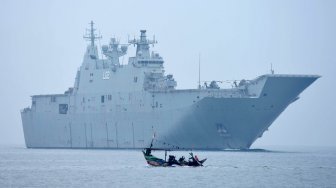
[[272, 70], [199, 70], [92, 36], [101, 52]]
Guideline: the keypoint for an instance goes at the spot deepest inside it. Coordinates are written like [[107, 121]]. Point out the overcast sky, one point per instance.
[[41, 47]]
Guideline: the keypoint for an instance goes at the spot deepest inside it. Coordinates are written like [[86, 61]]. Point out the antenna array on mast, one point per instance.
[[90, 34]]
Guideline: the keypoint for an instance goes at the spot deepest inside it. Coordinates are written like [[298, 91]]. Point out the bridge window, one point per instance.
[[102, 99]]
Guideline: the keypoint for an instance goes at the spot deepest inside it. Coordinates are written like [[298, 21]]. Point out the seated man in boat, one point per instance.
[[193, 160], [182, 161], [196, 158], [148, 152], [172, 160]]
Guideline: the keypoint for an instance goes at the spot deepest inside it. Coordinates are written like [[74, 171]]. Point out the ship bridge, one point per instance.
[[144, 71]]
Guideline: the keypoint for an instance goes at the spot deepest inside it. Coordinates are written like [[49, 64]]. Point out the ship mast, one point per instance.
[[142, 44], [91, 36]]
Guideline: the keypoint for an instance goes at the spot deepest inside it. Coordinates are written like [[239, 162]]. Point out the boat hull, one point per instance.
[[190, 119]]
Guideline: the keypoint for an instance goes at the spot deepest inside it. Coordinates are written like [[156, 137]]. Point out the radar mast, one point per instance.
[[90, 34], [142, 44], [92, 51]]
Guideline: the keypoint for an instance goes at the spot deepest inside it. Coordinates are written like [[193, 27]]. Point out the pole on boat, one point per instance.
[[165, 155]]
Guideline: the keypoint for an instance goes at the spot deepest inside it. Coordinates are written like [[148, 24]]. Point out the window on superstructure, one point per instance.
[[109, 97], [135, 79], [102, 99], [63, 108], [93, 57], [53, 99], [91, 77]]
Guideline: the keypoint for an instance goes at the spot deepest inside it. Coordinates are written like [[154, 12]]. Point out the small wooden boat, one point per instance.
[[155, 161]]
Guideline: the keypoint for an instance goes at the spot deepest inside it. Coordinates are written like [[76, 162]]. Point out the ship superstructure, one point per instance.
[[113, 105]]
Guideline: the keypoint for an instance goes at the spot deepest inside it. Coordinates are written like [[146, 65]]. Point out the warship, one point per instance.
[[115, 105]]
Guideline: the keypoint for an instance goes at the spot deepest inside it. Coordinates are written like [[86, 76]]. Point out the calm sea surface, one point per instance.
[[273, 167]]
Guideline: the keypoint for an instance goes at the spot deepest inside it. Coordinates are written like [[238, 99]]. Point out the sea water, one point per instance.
[[271, 167]]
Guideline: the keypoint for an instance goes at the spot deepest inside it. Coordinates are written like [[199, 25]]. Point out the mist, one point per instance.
[[42, 46]]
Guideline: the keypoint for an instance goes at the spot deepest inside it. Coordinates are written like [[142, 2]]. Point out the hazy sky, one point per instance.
[[41, 47]]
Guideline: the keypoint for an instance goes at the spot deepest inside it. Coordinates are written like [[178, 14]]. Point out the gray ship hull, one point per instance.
[[198, 119]]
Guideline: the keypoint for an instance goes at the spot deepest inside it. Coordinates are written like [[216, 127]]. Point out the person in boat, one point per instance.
[[196, 158], [193, 160], [182, 161], [172, 160], [148, 152]]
